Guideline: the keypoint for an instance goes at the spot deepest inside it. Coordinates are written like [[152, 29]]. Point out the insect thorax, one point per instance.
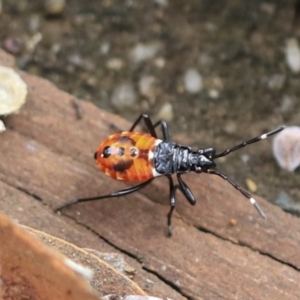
[[172, 158]]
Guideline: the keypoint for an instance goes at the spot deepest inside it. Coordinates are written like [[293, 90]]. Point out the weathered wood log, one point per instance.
[[31, 271], [47, 159]]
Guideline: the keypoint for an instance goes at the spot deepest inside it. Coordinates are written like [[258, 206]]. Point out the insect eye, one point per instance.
[[107, 152], [121, 151], [133, 152]]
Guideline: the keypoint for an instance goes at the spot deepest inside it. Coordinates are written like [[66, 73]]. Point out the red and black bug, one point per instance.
[[140, 157]]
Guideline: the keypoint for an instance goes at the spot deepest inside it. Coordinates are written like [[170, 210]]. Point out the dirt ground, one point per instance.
[[236, 46]]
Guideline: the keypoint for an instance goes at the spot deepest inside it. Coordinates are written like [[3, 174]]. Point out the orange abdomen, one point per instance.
[[127, 156]]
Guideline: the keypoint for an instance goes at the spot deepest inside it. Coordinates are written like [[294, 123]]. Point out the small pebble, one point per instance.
[[286, 103], [286, 148], [104, 48], [54, 7], [166, 112], [75, 59], [233, 222], [115, 64], [123, 96], [276, 81], [292, 55], [159, 62], [142, 52], [230, 127], [13, 91], [55, 48], [245, 158], [34, 22], [251, 185], [193, 82], [213, 94], [92, 81]]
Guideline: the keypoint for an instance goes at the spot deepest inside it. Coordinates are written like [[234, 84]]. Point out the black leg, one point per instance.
[[186, 190], [115, 194], [254, 140], [173, 189], [151, 127], [164, 128], [148, 124], [239, 188]]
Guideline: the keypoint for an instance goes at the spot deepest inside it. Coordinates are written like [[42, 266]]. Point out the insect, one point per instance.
[[140, 157]]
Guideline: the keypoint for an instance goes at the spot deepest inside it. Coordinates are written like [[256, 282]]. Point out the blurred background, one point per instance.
[[219, 72]]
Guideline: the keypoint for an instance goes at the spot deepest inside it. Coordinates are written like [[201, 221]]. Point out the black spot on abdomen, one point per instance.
[[123, 165]]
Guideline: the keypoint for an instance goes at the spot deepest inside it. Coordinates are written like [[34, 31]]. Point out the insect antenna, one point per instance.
[[239, 146], [251, 141], [240, 189]]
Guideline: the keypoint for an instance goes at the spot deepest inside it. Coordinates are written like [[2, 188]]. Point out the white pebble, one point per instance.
[[123, 96], [213, 94], [245, 158], [75, 59], [286, 148], [292, 55], [166, 112], [13, 91], [34, 22], [193, 82], [142, 52], [115, 64], [286, 103], [104, 48], [159, 62], [230, 127]]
